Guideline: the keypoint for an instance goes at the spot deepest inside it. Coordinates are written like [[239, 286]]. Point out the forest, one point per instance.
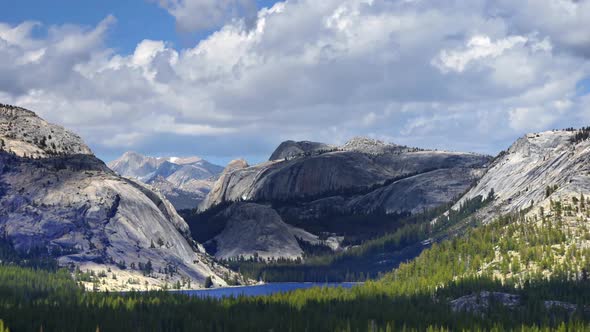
[[516, 254]]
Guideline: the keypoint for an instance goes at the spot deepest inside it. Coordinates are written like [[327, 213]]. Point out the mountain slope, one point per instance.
[[67, 203], [257, 230], [25, 134], [354, 167], [538, 224], [341, 191], [184, 181], [536, 168]]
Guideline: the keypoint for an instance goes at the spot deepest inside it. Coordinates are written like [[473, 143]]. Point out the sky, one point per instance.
[[227, 79]]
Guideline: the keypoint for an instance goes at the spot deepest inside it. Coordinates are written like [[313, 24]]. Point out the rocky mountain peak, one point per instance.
[[292, 149], [25, 134], [132, 154], [14, 112], [537, 143], [369, 145], [235, 164], [66, 202], [183, 180]]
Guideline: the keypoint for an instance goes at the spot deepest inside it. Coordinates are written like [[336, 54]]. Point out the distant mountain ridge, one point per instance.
[[185, 181]]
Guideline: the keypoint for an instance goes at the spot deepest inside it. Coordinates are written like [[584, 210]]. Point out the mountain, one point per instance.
[[292, 149], [534, 231], [541, 209], [58, 199], [538, 167], [355, 167], [318, 188], [258, 230], [184, 181], [518, 260], [525, 219]]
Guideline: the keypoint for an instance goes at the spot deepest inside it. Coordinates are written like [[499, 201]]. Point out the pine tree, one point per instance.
[[208, 283]]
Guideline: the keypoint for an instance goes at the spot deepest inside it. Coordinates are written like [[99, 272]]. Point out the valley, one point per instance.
[[477, 242]]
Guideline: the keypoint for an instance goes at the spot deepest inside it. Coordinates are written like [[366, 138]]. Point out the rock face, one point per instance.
[[184, 181], [520, 176], [332, 173], [480, 302], [311, 181], [25, 134], [258, 230], [292, 149], [413, 194], [68, 202], [219, 186]]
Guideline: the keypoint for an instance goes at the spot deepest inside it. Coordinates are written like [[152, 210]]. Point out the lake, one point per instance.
[[265, 289]]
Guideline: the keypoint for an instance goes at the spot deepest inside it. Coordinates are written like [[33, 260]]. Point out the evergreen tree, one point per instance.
[[208, 282]]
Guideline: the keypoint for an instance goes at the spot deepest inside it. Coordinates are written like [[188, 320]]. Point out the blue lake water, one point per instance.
[[266, 289]]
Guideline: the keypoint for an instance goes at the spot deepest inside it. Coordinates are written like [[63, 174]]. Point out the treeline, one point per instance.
[[581, 134], [32, 300]]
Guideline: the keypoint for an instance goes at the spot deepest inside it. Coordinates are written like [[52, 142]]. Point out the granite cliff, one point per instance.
[[58, 198]]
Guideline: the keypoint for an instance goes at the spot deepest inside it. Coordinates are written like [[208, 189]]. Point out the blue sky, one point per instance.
[[229, 79], [136, 19]]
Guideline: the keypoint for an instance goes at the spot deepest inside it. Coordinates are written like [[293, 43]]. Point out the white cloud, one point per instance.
[[425, 73], [478, 48], [531, 118], [193, 15]]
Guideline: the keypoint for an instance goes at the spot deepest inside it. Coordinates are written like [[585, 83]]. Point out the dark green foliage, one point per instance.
[[36, 257], [550, 190], [581, 134], [208, 283], [31, 300], [205, 225], [146, 268]]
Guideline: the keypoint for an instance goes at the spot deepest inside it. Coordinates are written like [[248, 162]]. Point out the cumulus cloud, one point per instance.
[[194, 15], [465, 76], [478, 48]]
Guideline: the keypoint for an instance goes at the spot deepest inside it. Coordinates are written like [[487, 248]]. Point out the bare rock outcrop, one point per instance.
[[521, 176], [254, 230], [335, 172], [292, 149], [479, 303], [363, 177], [25, 134], [68, 203]]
